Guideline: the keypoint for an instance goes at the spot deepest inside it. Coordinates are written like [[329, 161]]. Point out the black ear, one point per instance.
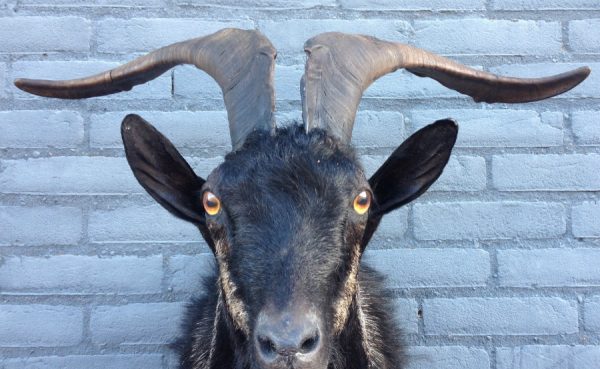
[[161, 170], [413, 167]]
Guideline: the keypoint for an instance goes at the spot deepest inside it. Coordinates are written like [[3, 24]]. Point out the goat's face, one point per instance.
[[288, 236], [287, 216]]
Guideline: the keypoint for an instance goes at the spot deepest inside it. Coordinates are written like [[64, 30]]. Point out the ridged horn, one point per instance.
[[341, 66], [241, 62]]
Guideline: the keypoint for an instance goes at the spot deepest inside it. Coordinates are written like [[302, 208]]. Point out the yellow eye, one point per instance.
[[362, 202], [211, 203]]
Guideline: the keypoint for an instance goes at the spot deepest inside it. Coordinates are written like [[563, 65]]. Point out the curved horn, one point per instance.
[[240, 61], [341, 66]]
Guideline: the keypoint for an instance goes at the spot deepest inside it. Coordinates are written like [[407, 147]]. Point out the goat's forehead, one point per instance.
[[289, 182], [320, 177], [288, 164]]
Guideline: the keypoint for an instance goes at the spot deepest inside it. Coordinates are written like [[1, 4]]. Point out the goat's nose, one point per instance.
[[287, 335]]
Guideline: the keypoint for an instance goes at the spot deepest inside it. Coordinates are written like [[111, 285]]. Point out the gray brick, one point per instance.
[[288, 118], [287, 82], [406, 311], [586, 127], [548, 357], [192, 83], [553, 118], [436, 5], [488, 36], [488, 220], [40, 325], [147, 361], [462, 173], [585, 220], [549, 268], [524, 172], [378, 129], [205, 129], [33, 226], [147, 34], [289, 36], [545, 4], [95, 4], [495, 128], [271, 4], [586, 357], [187, 272], [447, 357], [72, 274], [2, 80], [393, 225], [143, 323], [68, 175], [592, 314], [40, 129], [44, 34], [584, 35], [140, 223], [160, 88], [588, 88], [204, 166], [500, 316], [411, 268]]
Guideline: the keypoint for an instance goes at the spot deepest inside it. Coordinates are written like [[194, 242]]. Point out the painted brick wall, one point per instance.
[[498, 267]]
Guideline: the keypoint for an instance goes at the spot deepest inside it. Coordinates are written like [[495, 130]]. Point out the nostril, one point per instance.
[[267, 346], [288, 336], [310, 343]]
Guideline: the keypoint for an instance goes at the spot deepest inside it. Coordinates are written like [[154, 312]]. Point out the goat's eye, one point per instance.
[[362, 202], [211, 203]]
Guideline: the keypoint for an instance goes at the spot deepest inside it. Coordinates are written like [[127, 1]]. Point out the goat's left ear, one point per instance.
[[161, 169], [413, 167]]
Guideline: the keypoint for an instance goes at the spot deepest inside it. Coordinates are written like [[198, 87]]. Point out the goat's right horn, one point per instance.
[[341, 66], [240, 61]]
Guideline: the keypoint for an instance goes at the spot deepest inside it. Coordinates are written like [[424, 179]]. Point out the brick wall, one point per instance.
[[497, 267]]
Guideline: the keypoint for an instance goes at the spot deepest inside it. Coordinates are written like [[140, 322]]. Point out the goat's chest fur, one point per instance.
[[370, 338]]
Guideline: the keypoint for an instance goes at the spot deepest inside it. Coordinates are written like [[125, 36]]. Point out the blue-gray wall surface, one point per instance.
[[496, 267]]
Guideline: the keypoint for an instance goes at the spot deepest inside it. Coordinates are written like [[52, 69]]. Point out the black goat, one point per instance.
[[290, 211]]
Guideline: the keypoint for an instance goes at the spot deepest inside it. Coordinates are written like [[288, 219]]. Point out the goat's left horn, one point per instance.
[[240, 61], [341, 66]]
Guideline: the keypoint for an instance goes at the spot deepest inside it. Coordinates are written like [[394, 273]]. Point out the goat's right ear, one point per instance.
[[161, 169]]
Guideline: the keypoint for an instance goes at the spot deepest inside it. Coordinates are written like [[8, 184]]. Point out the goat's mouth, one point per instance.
[[295, 360], [292, 363]]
